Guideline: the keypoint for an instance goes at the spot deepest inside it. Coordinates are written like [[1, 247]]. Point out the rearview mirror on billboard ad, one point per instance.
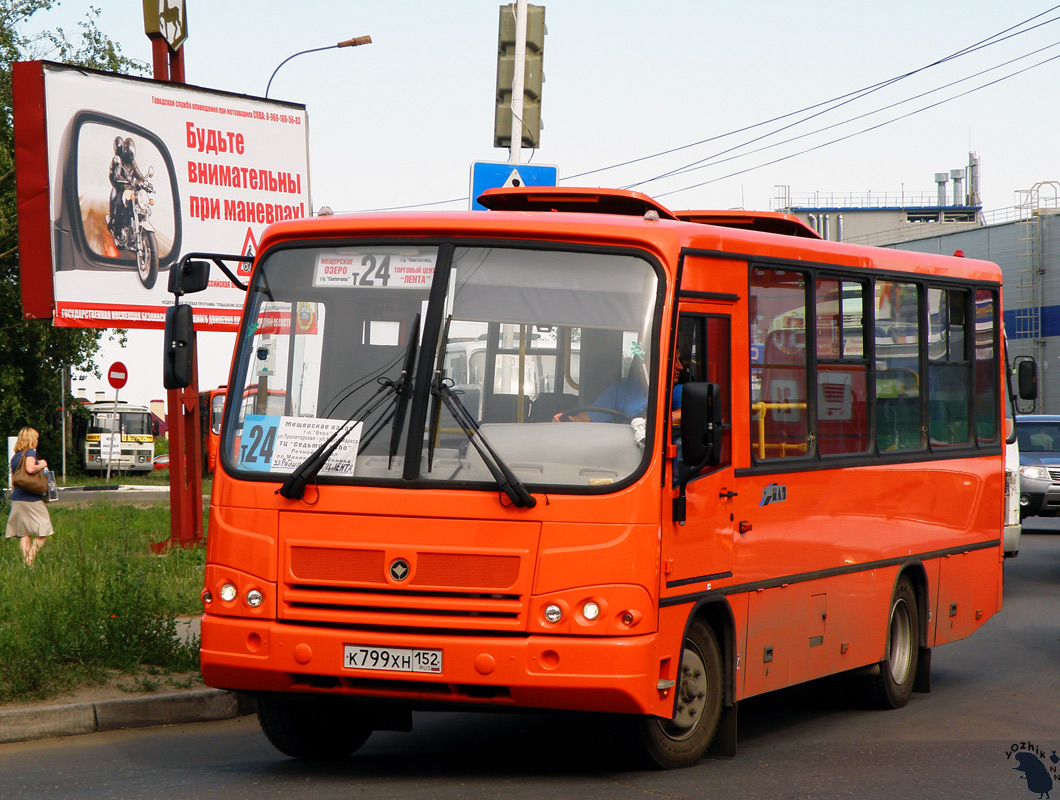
[[119, 199], [119, 176]]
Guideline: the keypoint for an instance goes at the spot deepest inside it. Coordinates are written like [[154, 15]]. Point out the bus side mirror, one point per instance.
[[701, 425], [179, 343], [189, 277], [1027, 378]]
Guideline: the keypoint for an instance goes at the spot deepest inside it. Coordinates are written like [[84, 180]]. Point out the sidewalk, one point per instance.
[[26, 722]]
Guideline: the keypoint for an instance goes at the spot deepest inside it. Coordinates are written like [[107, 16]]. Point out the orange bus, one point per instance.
[[821, 491], [211, 406], [211, 409]]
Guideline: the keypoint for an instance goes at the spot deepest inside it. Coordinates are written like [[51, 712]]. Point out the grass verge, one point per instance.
[[96, 600]]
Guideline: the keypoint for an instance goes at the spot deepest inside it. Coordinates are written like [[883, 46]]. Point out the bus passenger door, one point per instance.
[[700, 551]]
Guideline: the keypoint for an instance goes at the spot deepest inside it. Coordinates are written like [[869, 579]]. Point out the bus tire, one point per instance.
[[897, 672], [311, 728], [682, 740]]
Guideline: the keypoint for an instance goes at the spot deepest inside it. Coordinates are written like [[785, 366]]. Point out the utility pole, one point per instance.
[[517, 83], [167, 27]]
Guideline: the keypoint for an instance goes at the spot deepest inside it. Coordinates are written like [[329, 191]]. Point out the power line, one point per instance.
[[835, 101], [857, 133], [412, 205], [716, 159]]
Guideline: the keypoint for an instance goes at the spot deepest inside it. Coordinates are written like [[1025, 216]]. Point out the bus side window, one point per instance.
[[898, 378], [987, 345], [842, 368], [949, 367], [779, 419]]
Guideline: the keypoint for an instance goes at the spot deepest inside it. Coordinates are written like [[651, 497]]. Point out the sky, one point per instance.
[[835, 98]]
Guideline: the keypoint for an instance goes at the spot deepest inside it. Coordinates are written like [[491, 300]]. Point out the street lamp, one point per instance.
[[354, 42]]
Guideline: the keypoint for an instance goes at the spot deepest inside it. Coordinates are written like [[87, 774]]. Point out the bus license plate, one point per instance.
[[392, 659]]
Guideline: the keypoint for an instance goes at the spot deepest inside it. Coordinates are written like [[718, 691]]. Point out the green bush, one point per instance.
[[95, 599]]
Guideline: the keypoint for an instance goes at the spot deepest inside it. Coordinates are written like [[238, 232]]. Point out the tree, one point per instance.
[[33, 353]]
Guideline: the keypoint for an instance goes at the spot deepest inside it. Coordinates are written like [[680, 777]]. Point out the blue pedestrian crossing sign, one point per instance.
[[492, 175]]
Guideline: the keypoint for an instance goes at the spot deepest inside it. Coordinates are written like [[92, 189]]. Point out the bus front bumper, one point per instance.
[[613, 674]]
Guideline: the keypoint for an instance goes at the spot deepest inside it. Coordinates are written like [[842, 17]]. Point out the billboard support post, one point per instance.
[[185, 462], [167, 64], [167, 33], [166, 25]]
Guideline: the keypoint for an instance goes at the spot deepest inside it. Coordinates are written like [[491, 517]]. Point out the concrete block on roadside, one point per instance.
[[44, 722], [141, 712]]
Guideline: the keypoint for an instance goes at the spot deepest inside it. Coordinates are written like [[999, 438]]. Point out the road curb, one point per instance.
[[199, 705]]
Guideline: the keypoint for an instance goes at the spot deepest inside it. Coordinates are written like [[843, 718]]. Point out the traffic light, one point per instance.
[[533, 76]]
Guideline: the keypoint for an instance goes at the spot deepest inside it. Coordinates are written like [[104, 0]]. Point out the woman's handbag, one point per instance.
[[35, 483]]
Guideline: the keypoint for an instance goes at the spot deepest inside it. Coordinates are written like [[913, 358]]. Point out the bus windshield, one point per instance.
[[135, 423], [522, 337]]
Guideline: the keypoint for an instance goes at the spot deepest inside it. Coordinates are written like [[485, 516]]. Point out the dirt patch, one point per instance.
[[120, 686]]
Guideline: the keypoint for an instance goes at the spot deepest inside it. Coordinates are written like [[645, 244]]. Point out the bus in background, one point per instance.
[[827, 498], [211, 408], [547, 360], [116, 433]]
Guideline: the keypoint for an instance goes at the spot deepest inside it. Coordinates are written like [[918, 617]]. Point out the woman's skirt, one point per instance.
[[28, 518]]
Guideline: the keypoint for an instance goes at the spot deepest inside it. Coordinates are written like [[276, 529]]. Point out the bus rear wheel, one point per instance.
[[311, 728], [683, 739], [897, 671]]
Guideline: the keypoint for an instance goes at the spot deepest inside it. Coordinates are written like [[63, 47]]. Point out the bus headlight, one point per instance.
[[590, 611], [255, 598], [228, 592], [553, 613]]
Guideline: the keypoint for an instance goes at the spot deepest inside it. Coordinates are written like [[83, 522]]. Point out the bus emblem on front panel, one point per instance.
[[399, 570]]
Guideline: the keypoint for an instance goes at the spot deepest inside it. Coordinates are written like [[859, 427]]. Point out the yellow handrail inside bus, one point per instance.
[[759, 410]]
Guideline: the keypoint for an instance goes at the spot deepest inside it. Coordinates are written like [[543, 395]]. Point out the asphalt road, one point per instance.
[[997, 691]]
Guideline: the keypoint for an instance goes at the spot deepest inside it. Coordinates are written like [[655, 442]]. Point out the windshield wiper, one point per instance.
[[403, 389], [436, 397], [441, 387], [294, 485]]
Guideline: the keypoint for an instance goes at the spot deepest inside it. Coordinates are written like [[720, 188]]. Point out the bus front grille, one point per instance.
[[356, 587]]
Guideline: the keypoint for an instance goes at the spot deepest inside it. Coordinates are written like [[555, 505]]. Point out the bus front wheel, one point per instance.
[[311, 728], [683, 739], [897, 671]]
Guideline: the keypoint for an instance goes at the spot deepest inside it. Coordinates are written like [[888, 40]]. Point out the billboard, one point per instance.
[[119, 176]]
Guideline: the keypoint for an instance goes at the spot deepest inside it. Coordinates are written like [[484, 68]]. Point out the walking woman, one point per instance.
[[29, 520]]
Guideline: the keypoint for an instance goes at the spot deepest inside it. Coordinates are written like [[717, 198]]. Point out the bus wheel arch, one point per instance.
[[905, 637], [916, 572], [704, 715]]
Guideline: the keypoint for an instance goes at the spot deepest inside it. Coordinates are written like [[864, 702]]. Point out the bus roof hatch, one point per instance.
[[573, 198], [761, 221]]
